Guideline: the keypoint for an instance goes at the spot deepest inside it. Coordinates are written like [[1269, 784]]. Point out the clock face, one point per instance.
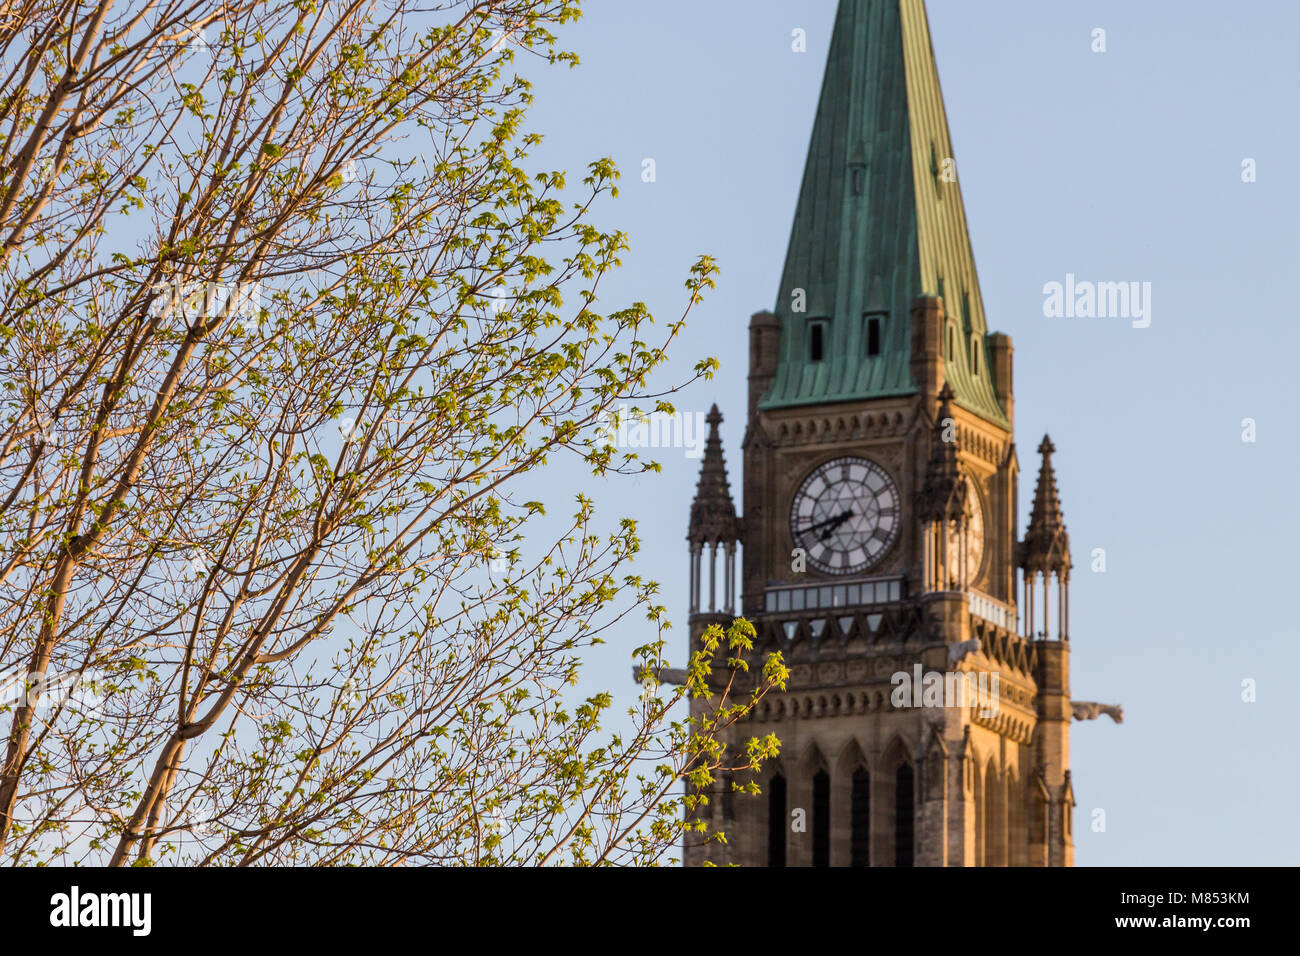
[[846, 515], [974, 555]]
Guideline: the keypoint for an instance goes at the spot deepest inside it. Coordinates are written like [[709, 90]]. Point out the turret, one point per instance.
[[941, 505], [764, 346], [1000, 352], [714, 525], [1045, 552], [927, 323]]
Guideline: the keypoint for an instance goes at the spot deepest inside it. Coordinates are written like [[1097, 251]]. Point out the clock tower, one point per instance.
[[926, 718]]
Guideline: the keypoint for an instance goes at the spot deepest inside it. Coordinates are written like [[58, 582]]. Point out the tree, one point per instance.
[[287, 330]]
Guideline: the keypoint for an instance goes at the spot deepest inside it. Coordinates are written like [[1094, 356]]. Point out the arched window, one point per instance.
[[1016, 828], [821, 818], [995, 819], [776, 821], [904, 804], [860, 814]]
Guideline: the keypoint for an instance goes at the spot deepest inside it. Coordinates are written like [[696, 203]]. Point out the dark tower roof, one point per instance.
[[880, 221], [943, 496], [713, 514], [1046, 546]]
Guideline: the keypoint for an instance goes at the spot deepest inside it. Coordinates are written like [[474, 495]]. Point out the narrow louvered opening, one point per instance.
[[817, 341], [873, 328]]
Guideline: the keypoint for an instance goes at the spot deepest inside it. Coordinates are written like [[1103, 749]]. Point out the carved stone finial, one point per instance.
[[1046, 546], [943, 495], [713, 513]]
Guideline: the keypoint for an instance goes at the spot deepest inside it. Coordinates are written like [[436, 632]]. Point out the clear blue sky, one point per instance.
[[1117, 166]]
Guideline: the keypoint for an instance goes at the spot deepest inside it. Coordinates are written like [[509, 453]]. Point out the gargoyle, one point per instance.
[[668, 675], [957, 652], [1091, 710]]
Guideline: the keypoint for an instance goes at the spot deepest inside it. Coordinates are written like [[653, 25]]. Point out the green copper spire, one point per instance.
[[880, 221]]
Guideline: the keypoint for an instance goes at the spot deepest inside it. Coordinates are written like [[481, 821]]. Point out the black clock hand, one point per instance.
[[837, 521], [833, 523], [826, 534]]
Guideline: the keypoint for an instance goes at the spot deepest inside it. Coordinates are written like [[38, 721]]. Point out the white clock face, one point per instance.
[[846, 515], [974, 555]]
